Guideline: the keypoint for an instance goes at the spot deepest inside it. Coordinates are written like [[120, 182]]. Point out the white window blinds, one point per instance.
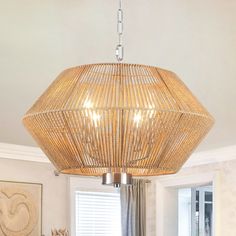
[[98, 214]]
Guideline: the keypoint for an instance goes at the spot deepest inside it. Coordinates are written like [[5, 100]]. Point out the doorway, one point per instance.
[[195, 211]]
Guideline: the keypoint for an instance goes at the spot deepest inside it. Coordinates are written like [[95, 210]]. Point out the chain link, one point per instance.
[[119, 47]]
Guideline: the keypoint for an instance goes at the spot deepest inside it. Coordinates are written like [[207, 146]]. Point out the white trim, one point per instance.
[[181, 180], [27, 153], [227, 153], [20, 152]]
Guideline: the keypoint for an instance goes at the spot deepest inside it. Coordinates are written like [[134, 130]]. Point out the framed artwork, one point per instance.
[[20, 209]]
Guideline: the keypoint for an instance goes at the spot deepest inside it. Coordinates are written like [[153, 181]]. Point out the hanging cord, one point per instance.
[[119, 47]]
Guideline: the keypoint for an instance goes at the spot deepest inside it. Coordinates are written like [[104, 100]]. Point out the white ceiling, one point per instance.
[[196, 39]]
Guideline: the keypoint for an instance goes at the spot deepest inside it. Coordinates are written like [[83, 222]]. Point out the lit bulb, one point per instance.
[[151, 111], [88, 104], [137, 118], [96, 117], [88, 112]]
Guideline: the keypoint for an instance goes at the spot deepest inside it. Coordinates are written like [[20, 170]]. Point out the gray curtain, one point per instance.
[[133, 208]]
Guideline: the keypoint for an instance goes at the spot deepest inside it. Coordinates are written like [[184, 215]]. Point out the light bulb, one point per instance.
[[96, 117], [137, 118], [151, 111], [88, 104]]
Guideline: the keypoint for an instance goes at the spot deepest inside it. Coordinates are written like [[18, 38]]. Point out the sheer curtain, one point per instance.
[[133, 208]]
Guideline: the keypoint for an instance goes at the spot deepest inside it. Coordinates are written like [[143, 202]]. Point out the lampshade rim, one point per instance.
[[153, 171], [117, 64]]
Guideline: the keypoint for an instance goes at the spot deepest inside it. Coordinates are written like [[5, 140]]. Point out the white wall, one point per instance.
[[184, 212], [166, 211], [170, 216], [151, 209], [55, 197]]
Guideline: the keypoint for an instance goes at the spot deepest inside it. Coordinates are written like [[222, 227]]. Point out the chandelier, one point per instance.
[[118, 120]]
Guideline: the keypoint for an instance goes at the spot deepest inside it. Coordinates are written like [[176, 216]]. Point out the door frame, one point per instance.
[[184, 180]]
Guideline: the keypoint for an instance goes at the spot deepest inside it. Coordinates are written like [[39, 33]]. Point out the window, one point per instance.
[[97, 213]]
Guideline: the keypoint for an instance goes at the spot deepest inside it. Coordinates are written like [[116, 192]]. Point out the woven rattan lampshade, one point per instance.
[[128, 118]]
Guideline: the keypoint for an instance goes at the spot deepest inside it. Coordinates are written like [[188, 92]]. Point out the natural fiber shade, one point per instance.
[[118, 117]]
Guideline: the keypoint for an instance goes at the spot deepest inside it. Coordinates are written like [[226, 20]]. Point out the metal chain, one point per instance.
[[119, 47]]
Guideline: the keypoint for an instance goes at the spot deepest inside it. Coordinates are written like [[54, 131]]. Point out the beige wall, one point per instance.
[[55, 197]]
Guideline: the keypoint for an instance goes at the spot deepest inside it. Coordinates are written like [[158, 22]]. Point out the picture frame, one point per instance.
[[22, 201]]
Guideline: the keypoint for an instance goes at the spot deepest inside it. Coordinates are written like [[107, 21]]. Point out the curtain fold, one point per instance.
[[133, 208]]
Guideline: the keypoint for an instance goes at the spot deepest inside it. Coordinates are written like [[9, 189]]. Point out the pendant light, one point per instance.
[[118, 120]]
